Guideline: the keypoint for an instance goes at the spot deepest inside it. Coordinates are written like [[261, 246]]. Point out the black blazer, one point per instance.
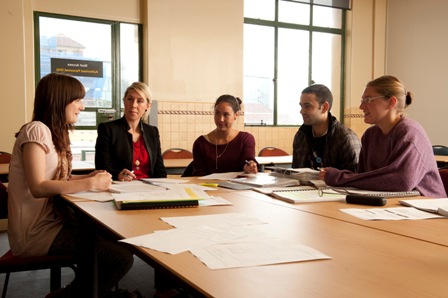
[[113, 148]]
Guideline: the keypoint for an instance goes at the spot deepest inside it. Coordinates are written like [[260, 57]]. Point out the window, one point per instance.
[[289, 45], [104, 55]]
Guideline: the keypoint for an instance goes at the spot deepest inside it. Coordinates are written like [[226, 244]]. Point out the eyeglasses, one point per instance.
[[367, 100]]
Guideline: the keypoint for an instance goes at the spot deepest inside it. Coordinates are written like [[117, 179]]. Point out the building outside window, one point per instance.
[[104, 55], [289, 45]]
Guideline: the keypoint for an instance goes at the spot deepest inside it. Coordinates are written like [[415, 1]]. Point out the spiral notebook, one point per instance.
[[386, 194], [307, 196]]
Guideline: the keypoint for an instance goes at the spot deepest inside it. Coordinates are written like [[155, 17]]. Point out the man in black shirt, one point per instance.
[[322, 141]]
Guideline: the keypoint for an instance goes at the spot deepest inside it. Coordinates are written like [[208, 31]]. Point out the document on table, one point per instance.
[[222, 176], [100, 196], [134, 186], [257, 253], [214, 201], [394, 213], [165, 180], [161, 195], [226, 241], [223, 219]]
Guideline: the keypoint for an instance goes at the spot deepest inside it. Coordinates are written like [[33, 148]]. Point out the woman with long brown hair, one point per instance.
[[40, 169]]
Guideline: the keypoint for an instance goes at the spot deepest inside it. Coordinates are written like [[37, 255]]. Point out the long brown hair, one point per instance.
[[53, 93]]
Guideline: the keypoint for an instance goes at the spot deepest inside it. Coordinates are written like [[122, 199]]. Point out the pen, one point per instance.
[[128, 174], [152, 183]]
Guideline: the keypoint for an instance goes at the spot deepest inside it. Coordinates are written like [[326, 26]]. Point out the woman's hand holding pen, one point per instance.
[[126, 175], [250, 167]]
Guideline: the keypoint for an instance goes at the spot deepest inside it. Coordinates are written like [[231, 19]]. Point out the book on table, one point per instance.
[[174, 198], [437, 206]]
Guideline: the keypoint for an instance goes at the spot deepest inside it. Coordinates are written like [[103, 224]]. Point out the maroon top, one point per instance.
[[209, 158]]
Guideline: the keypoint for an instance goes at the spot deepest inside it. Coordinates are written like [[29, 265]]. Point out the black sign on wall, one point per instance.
[[79, 68]]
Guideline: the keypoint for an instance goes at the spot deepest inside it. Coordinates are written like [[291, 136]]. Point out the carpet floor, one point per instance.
[[33, 284]]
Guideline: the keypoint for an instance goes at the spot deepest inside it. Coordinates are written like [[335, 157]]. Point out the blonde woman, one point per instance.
[[127, 147]]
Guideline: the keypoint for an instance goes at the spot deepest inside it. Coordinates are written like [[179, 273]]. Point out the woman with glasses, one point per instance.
[[396, 153]]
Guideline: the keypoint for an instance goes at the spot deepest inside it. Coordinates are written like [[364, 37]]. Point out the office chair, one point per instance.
[[5, 157], [440, 150], [176, 153], [444, 175], [10, 263], [272, 151]]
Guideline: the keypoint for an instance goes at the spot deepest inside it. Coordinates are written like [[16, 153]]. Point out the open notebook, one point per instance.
[[265, 180], [307, 195], [304, 194]]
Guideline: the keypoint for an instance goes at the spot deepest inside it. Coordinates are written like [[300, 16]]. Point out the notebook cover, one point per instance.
[[155, 205]]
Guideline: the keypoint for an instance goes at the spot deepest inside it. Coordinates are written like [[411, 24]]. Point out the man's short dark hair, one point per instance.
[[322, 93]]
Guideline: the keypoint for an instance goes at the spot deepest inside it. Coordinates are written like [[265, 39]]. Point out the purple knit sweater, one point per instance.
[[402, 160]]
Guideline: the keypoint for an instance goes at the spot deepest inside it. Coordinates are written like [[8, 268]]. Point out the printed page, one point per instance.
[[395, 213], [257, 253], [430, 205]]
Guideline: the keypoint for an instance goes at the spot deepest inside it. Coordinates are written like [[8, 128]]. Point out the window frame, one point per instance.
[[276, 24], [117, 93]]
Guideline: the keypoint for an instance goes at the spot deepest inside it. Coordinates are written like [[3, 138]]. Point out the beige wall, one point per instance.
[[417, 49], [193, 54]]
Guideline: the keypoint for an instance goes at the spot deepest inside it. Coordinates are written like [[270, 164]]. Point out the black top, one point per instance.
[[114, 151]]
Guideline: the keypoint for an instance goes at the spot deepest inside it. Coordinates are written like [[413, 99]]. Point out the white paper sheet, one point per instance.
[[221, 176], [233, 255], [214, 201], [134, 186], [226, 241], [100, 196], [224, 219], [180, 240], [395, 213]]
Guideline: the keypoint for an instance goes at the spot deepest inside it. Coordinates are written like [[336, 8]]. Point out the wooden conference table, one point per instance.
[[433, 231], [365, 261]]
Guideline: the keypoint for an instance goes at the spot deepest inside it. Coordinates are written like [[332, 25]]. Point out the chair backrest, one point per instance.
[[272, 151], [5, 157], [444, 175], [176, 153], [440, 150]]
